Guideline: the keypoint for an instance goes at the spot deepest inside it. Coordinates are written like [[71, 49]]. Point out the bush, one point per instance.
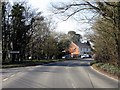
[[93, 62], [109, 68], [99, 64]]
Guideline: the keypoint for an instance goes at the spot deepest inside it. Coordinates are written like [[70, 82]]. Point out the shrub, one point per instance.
[[99, 64], [109, 68], [93, 62]]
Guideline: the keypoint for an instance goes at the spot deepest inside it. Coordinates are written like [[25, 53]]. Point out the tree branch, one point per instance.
[[111, 4], [75, 13]]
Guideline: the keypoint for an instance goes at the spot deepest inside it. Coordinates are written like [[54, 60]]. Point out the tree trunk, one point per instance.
[[118, 43], [118, 47]]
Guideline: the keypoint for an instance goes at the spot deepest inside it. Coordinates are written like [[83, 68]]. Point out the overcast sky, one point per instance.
[[62, 26]]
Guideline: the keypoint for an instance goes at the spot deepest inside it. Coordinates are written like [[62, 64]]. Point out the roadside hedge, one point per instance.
[[109, 68]]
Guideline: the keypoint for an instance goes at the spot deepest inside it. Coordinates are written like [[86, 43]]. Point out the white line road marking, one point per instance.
[[8, 78], [28, 67], [5, 79], [37, 66], [103, 74], [12, 75], [66, 67], [73, 85]]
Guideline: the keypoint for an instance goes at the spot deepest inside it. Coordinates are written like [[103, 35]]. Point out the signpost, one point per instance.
[[14, 55], [14, 51]]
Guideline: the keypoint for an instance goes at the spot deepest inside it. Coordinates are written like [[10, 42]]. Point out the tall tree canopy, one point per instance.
[[73, 36], [107, 11], [17, 29]]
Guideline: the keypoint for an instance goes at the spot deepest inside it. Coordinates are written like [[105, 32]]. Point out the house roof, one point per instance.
[[73, 48]]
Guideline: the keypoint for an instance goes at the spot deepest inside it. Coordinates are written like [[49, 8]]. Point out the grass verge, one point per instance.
[[106, 68], [30, 63]]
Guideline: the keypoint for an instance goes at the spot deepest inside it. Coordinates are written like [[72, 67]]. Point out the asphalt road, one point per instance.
[[66, 74]]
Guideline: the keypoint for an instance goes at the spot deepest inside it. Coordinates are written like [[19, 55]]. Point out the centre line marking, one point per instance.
[[73, 85], [12, 75], [37, 66], [28, 67], [5, 79]]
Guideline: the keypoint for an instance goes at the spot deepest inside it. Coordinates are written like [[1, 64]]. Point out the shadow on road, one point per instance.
[[72, 63], [62, 64]]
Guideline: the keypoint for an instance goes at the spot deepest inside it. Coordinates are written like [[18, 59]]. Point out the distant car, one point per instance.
[[66, 56], [30, 58], [63, 57], [85, 56]]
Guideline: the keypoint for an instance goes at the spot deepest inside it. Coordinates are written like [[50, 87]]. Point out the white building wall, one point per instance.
[[82, 50]]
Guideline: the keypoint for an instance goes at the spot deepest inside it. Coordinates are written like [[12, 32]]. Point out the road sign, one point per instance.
[[14, 51]]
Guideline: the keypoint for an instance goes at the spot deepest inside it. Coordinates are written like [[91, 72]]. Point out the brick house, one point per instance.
[[74, 50]]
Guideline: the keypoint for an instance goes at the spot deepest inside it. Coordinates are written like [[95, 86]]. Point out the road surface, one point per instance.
[[65, 74]]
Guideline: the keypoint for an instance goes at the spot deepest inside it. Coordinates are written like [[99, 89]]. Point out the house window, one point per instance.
[[81, 49], [87, 49], [84, 49]]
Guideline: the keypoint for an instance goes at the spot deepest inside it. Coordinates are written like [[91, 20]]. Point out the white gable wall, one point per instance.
[[84, 50]]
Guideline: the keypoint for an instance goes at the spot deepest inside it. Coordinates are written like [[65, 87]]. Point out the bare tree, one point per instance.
[[107, 10]]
